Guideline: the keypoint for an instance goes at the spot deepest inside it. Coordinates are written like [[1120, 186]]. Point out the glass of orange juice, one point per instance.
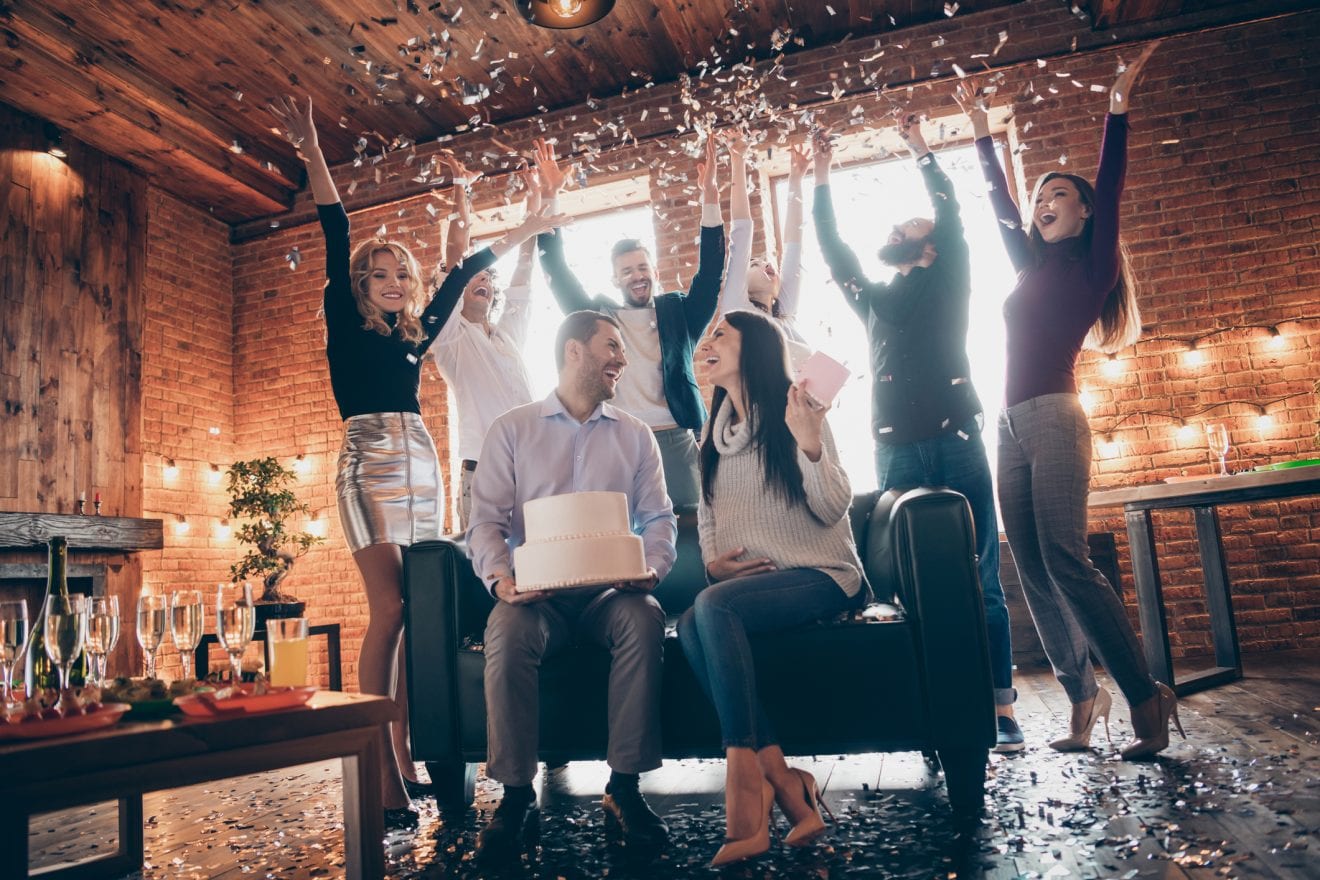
[[288, 651]]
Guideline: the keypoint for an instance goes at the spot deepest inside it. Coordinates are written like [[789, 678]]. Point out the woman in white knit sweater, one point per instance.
[[778, 549]]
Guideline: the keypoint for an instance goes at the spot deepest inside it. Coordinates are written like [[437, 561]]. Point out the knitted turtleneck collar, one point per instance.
[[731, 438]]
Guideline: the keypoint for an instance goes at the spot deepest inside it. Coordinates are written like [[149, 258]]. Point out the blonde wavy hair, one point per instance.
[[408, 325]]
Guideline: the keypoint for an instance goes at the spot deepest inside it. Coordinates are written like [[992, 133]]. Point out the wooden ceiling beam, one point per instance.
[[61, 38], [96, 114]]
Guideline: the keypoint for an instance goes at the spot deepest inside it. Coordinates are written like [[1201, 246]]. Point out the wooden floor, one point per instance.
[[1241, 798]]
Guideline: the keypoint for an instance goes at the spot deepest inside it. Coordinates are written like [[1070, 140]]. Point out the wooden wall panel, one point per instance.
[[72, 250]]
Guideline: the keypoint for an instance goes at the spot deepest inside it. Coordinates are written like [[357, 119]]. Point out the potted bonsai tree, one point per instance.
[[260, 493]]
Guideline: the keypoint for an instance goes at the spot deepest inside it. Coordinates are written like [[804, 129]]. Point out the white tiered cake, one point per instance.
[[577, 540]]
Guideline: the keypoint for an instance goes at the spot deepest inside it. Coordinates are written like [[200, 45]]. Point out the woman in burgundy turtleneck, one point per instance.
[[1074, 289]]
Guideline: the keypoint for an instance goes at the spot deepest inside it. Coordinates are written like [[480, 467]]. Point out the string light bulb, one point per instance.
[[1264, 421], [222, 530], [1107, 446], [171, 470], [302, 465], [1112, 367], [180, 524], [214, 475], [1277, 339], [1193, 357], [1185, 433], [316, 526]]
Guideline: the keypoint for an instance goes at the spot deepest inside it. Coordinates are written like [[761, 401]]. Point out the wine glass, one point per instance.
[[1216, 439], [152, 612], [235, 619], [13, 635], [102, 633], [65, 633], [186, 625]]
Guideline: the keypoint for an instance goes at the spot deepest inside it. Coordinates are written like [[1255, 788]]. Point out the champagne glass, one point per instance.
[[13, 636], [152, 612], [186, 625], [235, 619], [102, 633], [1216, 439], [65, 633]]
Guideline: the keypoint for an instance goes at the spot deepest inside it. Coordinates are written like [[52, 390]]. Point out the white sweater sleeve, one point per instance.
[[734, 295], [828, 491]]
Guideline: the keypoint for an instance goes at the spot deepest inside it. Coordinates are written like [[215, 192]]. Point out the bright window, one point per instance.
[[868, 200]]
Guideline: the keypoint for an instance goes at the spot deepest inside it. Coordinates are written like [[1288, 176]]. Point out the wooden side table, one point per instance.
[[329, 630]]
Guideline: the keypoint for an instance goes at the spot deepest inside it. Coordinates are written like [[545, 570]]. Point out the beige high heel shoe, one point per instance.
[[1158, 741], [1080, 741], [758, 843], [809, 829]]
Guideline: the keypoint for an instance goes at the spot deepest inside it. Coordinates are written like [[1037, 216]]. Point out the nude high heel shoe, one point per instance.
[[1158, 740], [1080, 741], [809, 829], [758, 843]]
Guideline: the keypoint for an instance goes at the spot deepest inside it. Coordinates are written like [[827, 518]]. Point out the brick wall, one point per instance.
[[1221, 224], [188, 402]]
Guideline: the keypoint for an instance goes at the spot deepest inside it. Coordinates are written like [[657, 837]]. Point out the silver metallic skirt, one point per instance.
[[388, 481]]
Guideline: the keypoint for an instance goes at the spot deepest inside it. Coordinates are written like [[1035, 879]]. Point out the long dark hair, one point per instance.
[[763, 371], [1119, 324]]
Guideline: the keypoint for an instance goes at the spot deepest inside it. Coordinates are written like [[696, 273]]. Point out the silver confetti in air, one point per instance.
[[293, 258]]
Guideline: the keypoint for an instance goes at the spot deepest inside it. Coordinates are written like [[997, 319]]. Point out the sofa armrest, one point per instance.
[[443, 603], [927, 551]]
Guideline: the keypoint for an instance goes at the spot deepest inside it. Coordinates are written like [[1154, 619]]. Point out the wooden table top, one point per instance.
[[1234, 488], [131, 743]]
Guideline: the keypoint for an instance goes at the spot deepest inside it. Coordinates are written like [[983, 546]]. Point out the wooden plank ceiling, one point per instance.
[[178, 88]]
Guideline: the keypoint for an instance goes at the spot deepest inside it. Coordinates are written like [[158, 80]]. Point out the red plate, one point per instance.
[[208, 706], [108, 715]]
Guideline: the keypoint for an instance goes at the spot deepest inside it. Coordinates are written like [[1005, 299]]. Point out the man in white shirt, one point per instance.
[[480, 359], [572, 441]]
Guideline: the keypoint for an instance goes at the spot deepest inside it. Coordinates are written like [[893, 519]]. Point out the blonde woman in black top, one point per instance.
[[379, 324]]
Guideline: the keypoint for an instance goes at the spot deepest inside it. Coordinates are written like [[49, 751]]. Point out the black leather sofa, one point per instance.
[[917, 681]]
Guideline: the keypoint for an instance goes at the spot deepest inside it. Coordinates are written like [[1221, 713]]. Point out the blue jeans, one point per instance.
[[714, 632], [957, 460]]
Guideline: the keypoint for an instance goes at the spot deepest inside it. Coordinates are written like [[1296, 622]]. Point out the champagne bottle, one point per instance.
[[40, 674]]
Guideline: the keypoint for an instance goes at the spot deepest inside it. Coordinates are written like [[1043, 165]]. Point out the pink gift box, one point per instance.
[[821, 377]]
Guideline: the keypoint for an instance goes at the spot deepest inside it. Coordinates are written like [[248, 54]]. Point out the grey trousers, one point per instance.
[[1044, 478], [678, 455], [518, 637]]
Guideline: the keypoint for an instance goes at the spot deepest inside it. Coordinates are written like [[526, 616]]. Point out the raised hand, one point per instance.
[[909, 129], [1127, 79], [804, 418], [736, 144], [296, 125], [540, 221], [799, 162], [299, 128], [706, 177], [458, 172], [822, 153], [972, 103], [552, 176], [727, 566]]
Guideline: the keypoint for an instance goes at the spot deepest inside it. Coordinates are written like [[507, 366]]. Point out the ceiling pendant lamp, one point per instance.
[[564, 14]]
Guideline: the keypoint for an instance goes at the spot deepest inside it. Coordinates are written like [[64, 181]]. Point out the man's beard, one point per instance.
[[593, 384], [904, 252]]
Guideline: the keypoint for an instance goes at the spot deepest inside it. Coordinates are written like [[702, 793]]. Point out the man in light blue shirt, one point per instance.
[[573, 441]]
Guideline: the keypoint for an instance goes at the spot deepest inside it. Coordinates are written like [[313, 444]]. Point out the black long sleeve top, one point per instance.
[[371, 373], [916, 323]]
